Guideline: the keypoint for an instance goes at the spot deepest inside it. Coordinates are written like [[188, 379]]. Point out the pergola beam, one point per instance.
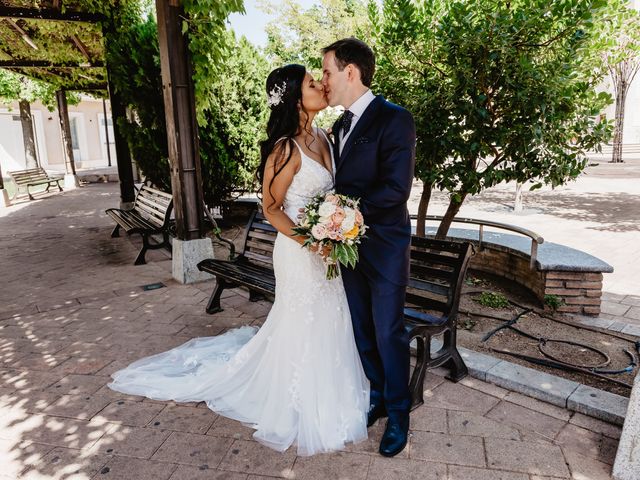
[[81, 47], [20, 31], [47, 64], [50, 14]]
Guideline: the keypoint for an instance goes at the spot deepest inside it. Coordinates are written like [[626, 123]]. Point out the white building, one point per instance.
[[88, 136]]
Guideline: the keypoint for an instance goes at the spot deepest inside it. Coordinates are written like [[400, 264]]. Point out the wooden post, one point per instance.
[[180, 114], [67, 147], [27, 135], [106, 130]]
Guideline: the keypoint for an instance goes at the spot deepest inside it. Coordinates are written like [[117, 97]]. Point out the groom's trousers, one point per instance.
[[376, 307]]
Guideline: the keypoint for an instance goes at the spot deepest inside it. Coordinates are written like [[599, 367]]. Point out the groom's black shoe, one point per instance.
[[375, 412], [395, 435]]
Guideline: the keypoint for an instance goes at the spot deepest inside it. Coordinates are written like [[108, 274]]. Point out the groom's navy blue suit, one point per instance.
[[376, 165]]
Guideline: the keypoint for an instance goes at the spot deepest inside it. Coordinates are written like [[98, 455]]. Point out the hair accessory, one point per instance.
[[276, 94]]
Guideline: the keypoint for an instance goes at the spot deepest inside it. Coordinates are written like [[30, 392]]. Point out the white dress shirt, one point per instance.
[[357, 108]]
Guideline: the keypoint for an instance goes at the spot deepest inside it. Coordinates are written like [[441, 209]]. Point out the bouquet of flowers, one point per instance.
[[334, 220]]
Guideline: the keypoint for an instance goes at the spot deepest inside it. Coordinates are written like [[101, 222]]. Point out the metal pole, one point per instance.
[[106, 130]]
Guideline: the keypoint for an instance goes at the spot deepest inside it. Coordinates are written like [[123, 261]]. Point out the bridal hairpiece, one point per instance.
[[276, 94]]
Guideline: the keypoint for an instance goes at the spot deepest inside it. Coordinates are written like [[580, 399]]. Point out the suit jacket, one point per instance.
[[376, 165]]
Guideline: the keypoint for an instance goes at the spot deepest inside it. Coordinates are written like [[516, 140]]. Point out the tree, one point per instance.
[[501, 91], [620, 35], [230, 101], [297, 35]]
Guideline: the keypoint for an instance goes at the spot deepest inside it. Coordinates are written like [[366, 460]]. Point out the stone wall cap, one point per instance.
[[551, 256]]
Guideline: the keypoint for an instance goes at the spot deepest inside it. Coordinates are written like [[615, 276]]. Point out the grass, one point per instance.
[[10, 187]]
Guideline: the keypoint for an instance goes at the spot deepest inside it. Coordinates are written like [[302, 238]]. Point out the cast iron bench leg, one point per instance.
[[214, 302], [416, 383], [59, 187], [457, 369], [140, 260], [255, 296], [116, 231]]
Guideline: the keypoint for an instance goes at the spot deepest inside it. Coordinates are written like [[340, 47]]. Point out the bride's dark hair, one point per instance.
[[284, 87]]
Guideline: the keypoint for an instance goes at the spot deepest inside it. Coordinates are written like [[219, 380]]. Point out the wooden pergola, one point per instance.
[[86, 69]]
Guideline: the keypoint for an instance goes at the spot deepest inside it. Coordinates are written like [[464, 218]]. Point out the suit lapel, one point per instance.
[[363, 123], [336, 142]]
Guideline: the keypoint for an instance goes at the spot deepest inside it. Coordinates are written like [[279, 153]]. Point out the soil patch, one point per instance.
[[588, 347]]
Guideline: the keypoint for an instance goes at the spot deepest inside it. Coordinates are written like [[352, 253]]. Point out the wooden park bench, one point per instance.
[[150, 215], [433, 295], [436, 275], [24, 179], [251, 268]]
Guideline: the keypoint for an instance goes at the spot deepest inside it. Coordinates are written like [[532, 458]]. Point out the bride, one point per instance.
[[298, 379]]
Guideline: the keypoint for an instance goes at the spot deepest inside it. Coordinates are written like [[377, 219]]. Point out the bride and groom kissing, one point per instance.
[[332, 357]]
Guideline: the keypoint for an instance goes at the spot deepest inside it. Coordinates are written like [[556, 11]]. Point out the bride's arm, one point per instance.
[[273, 193]]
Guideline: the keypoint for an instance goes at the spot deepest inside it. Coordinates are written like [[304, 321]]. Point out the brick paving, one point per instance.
[[72, 311]]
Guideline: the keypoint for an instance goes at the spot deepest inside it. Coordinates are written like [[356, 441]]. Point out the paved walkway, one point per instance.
[[72, 311]]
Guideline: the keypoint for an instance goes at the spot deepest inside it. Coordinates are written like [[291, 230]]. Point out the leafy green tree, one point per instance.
[[296, 35], [619, 41], [501, 91]]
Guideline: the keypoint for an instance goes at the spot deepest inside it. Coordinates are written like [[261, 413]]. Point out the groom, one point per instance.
[[375, 155]]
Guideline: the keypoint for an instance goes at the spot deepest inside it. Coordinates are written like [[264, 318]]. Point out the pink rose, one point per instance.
[[319, 231], [332, 198], [359, 218], [338, 216]]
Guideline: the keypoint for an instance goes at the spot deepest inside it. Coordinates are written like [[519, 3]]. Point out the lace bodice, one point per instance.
[[312, 179]]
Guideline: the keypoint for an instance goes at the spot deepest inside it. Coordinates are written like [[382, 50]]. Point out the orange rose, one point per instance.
[[353, 233]]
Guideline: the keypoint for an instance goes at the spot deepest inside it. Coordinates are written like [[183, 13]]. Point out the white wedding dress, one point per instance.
[[298, 379]]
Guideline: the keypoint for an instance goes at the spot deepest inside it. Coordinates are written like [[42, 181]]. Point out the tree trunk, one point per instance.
[[452, 211], [425, 197], [67, 147], [1, 179], [621, 96], [28, 136], [517, 204]]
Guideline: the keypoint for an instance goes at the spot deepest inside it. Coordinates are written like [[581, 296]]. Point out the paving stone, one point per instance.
[[583, 467], [438, 447], [428, 419], [36, 361], [27, 381], [613, 308], [184, 419], [382, 468], [78, 384], [226, 427], [192, 449], [125, 468], [467, 423], [478, 363], [526, 457], [540, 385], [135, 414], [595, 425], [560, 413], [599, 322], [484, 387], [580, 440], [352, 466], [127, 441], [203, 472], [522, 417], [254, 458], [83, 365], [66, 463], [18, 455], [634, 313], [66, 432], [608, 449], [632, 300], [632, 330], [458, 397], [82, 407], [470, 473], [598, 403]]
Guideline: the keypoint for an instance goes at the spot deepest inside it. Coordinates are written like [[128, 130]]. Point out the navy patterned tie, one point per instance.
[[347, 117]]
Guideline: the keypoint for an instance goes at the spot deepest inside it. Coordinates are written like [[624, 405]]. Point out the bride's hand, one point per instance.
[[323, 250]]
